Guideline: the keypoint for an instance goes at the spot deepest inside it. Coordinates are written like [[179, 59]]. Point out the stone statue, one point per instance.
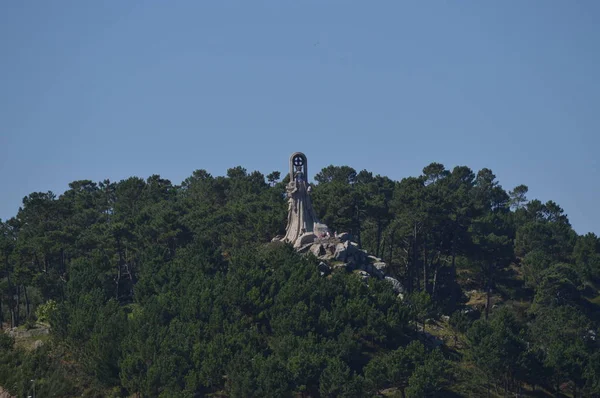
[[302, 226]]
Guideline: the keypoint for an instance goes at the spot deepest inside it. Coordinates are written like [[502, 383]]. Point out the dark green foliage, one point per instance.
[[496, 348], [429, 377], [566, 339], [269, 324], [167, 290], [337, 380], [534, 264], [586, 255], [411, 369], [460, 321], [559, 285]]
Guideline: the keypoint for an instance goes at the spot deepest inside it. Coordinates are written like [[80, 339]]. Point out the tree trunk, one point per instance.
[[391, 247], [378, 237], [11, 297], [414, 267], [62, 260], [119, 265], [453, 269], [18, 306], [358, 238], [36, 261], [435, 274], [488, 300], [26, 301], [425, 269], [453, 274]]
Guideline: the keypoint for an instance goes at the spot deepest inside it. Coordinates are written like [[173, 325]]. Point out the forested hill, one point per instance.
[[169, 290]]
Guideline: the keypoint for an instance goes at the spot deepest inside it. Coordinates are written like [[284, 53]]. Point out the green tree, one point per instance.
[[429, 378], [496, 347], [534, 264], [586, 255], [518, 197], [562, 334]]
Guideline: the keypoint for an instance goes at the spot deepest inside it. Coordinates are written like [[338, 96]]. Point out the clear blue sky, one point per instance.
[[111, 89]]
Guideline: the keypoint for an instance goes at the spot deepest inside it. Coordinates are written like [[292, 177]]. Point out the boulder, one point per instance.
[[351, 248], [396, 285], [363, 275], [370, 269], [318, 250], [341, 252], [305, 239], [380, 266], [304, 248], [321, 230], [331, 247]]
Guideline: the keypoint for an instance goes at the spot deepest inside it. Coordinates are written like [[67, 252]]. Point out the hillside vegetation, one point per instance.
[[160, 290]]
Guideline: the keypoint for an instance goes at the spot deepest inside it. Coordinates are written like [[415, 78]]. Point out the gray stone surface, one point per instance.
[[317, 249], [38, 330], [396, 285], [364, 275], [305, 248], [380, 266], [305, 239], [340, 266]]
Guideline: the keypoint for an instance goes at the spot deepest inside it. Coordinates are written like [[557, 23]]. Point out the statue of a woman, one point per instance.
[[301, 218]]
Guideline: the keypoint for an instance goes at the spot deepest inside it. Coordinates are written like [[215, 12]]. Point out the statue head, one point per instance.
[[298, 167]]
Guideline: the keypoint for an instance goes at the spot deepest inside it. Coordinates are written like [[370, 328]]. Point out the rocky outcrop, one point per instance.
[[38, 330], [304, 239], [396, 285], [338, 252]]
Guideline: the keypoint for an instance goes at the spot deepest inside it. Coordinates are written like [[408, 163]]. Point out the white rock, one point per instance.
[[341, 252], [380, 266], [396, 285]]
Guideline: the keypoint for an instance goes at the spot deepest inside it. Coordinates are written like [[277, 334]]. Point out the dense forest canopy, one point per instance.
[[168, 290]]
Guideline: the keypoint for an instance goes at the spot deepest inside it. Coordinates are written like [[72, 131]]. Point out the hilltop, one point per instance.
[[158, 289]]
